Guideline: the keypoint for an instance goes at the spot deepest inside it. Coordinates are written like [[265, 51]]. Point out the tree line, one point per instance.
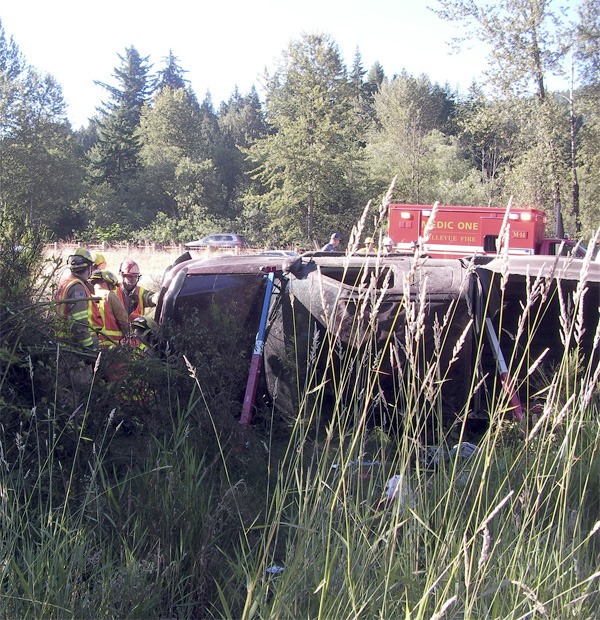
[[156, 163]]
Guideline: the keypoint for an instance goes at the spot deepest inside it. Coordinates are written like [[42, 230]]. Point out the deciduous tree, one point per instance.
[[524, 50], [177, 177], [407, 111], [40, 166]]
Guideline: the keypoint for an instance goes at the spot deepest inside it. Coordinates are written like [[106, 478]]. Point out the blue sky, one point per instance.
[[225, 44]]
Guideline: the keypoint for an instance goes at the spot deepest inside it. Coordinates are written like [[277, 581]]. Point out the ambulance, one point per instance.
[[445, 231]]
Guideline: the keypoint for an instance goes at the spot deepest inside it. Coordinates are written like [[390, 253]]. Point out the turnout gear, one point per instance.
[[110, 333], [114, 319], [77, 312], [136, 299], [145, 327]]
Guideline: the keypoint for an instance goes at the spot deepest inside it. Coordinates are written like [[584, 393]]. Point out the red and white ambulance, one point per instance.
[[446, 231]]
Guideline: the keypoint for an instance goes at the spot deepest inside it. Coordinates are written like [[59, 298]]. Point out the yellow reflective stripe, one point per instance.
[[68, 320], [112, 332], [81, 316], [115, 334]]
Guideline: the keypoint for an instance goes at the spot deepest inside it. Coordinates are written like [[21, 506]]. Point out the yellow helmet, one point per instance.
[[103, 275], [146, 326], [99, 261], [80, 260]]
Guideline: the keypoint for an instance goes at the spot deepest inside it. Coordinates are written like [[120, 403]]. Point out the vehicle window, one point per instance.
[[567, 249], [490, 243]]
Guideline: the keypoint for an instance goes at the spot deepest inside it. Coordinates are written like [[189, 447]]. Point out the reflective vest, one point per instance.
[[110, 334], [90, 316], [127, 301]]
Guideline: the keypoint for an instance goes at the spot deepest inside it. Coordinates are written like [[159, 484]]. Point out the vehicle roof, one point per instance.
[[444, 208]]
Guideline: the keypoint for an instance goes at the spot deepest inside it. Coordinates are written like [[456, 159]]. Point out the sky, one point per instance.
[[226, 44]]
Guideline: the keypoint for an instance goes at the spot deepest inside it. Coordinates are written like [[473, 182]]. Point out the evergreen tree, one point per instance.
[[375, 78], [363, 99], [242, 122], [171, 75], [311, 162], [357, 74], [210, 132], [114, 159], [242, 119]]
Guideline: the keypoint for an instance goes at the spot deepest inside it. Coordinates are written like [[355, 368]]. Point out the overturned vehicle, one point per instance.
[[458, 336]]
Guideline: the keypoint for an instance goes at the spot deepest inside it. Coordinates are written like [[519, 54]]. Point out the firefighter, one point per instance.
[[136, 299], [99, 261], [114, 323], [144, 333], [334, 243], [77, 317], [388, 245], [77, 312], [368, 248]]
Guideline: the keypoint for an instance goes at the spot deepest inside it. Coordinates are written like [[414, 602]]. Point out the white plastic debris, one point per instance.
[[397, 489], [465, 450]]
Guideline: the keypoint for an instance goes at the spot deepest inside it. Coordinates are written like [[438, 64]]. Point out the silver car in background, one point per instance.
[[219, 240]]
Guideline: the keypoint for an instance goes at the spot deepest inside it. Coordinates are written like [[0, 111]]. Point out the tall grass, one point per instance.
[[510, 531], [358, 508]]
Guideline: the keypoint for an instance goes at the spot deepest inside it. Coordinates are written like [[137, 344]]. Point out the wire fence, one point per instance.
[[151, 248]]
